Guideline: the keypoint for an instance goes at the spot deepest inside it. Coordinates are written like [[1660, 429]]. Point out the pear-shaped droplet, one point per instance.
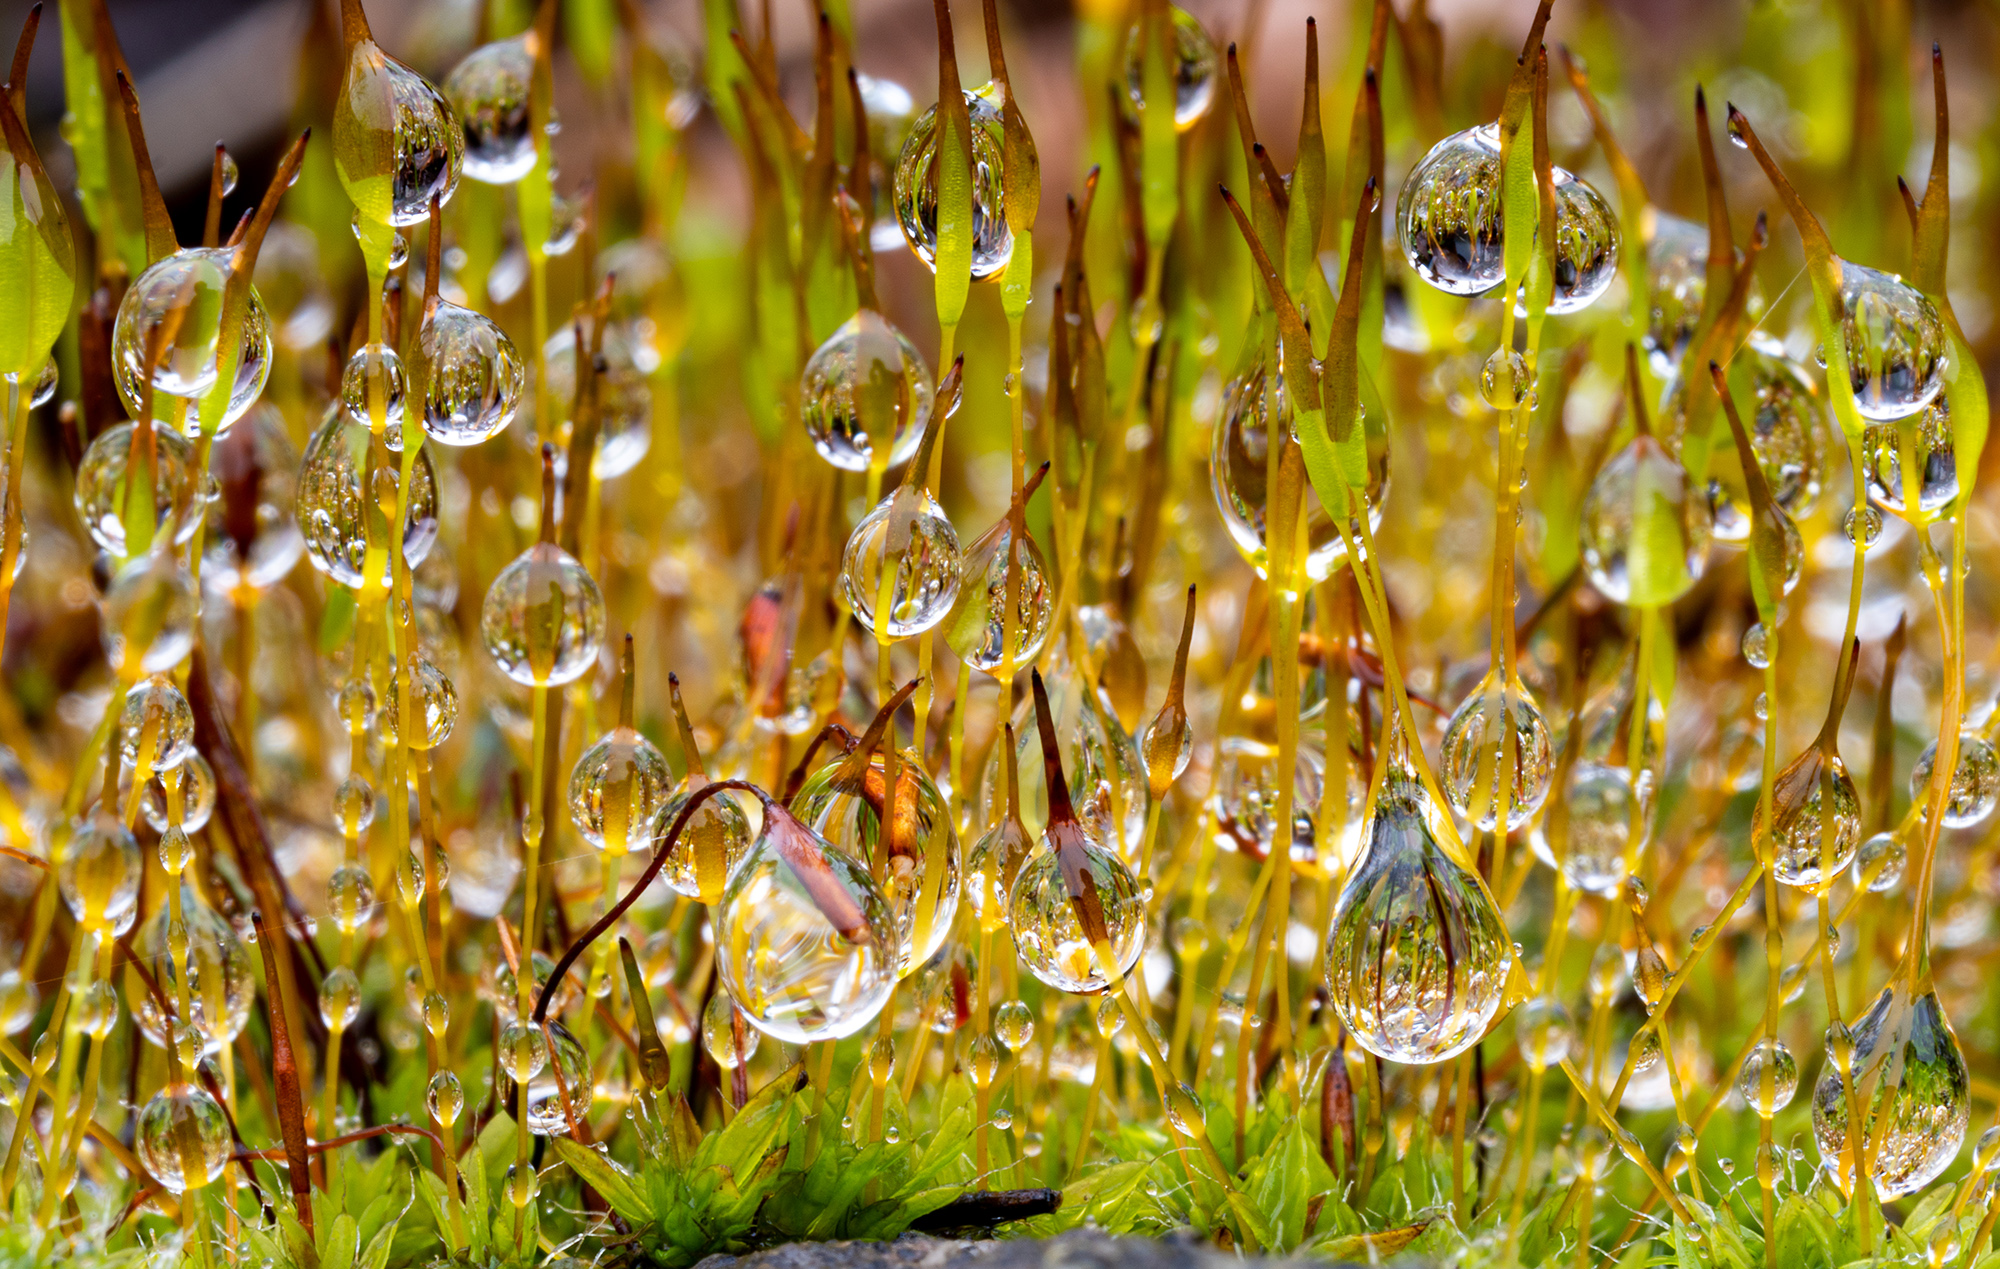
[[339, 998], [1417, 958], [221, 986], [1896, 345], [395, 142], [916, 187], [929, 567], [350, 897], [1975, 782], [191, 282], [489, 93], [374, 379], [1191, 65], [565, 1091], [976, 628], [543, 619], [1014, 1025], [1880, 862], [1588, 840], [1916, 1117], [149, 615], [444, 1098], [433, 705], [1050, 935], [1478, 745], [1812, 793], [714, 838], [155, 701], [864, 388]]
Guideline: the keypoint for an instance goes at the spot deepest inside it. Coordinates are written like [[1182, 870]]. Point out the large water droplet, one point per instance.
[[1417, 959], [102, 487], [1975, 782], [1896, 346], [183, 1138], [191, 281], [543, 618], [1916, 1118], [1478, 743], [1771, 1060], [338, 513], [1448, 214], [1191, 67], [929, 568], [710, 844], [1050, 935], [489, 92], [1645, 533], [916, 187], [618, 784], [864, 387], [471, 373], [1586, 244]]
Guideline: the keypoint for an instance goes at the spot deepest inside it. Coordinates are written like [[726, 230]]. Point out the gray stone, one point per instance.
[[1077, 1249]]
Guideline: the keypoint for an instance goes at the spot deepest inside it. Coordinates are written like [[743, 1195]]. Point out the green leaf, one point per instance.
[[340, 1244], [607, 1178]]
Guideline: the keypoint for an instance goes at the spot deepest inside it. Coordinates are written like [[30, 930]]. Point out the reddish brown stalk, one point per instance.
[[285, 1075], [1066, 834]]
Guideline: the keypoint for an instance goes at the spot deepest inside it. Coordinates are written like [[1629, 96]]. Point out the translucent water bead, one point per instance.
[[624, 401], [1677, 284], [866, 385], [916, 187], [1975, 782], [253, 537], [99, 875], [471, 373], [1586, 244], [718, 832], [197, 797], [1916, 1118], [543, 619], [158, 701], [190, 280], [1107, 778], [1239, 472], [337, 510], [390, 122], [728, 1039], [1933, 457], [102, 487], [1417, 958], [374, 377], [1586, 839], [1813, 791], [1769, 1059], [976, 629], [851, 818], [929, 568], [1246, 800], [1471, 754], [178, 1117], [1896, 346], [1880, 862], [221, 985], [1049, 935], [564, 1091], [1448, 213], [1645, 532], [1192, 67], [149, 615], [622, 777], [489, 93], [434, 704], [805, 939], [1544, 1032], [339, 998]]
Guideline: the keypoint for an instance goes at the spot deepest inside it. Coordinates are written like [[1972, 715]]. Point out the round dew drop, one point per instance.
[[916, 188]]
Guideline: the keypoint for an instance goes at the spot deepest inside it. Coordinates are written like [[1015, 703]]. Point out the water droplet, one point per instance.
[[444, 1098], [403, 126], [1896, 346], [1757, 646], [1883, 855], [1800, 798], [720, 1030], [1014, 1025], [806, 940], [472, 376], [1586, 244], [99, 875], [1050, 933], [190, 282], [489, 92], [1505, 380], [1768, 1059], [435, 704], [1477, 743], [1916, 1119], [1975, 782], [929, 568], [1865, 520], [339, 998], [102, 490], [845, 808], [866, 385], [1448, 213], [350, 896], [340, 520], [916, 186], [1404, 902], [156, 701], [1545, 1033], [975, 628], [710, 844], [543, 618], [624, 401], [1645, 533], [1239, 471], [1191, 68], [616, 788], [178, 1117], [1932, 450]]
